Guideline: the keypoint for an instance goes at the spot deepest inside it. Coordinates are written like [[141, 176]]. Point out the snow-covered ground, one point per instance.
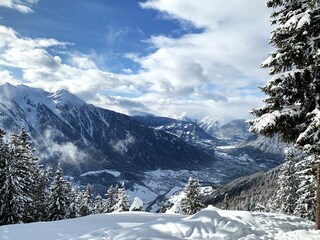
[[210, 223], [159, 185]]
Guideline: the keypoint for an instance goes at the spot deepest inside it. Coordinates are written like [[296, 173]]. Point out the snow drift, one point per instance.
[[210, 223]]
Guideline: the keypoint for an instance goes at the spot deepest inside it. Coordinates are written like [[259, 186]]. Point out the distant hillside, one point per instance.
[[249, 193]]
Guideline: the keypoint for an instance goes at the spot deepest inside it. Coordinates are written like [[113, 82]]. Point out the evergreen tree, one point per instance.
[[192, 201], [111, 198], [42, 192], [306, 191], [4, 155], [58, 202], [27, 166], [293, 104], [73, 203], [287, 196], [98, 205], [17, 192], [12, 198], [86, 203], [122, 204]]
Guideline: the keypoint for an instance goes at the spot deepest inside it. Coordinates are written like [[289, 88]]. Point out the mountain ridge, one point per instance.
[[112, 133]]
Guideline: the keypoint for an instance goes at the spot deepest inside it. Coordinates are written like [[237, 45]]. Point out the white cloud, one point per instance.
[[210, 69], [122, 146], [66, 152], [23, 6], [212, 72], [228, 52], [83, 62], [7, 77], [40, 68]]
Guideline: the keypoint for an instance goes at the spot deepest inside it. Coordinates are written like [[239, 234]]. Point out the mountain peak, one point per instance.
[[64, 97], [22, 94]]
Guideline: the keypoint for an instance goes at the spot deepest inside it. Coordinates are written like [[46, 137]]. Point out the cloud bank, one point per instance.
[[210, 72]]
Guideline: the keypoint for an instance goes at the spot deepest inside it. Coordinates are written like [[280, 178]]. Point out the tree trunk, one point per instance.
[[318, 198]]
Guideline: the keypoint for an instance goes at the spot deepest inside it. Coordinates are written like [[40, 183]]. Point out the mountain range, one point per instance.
[[105, 138], [151, 154]]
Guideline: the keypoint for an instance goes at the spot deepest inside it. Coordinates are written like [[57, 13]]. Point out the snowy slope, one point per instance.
[[210, 223]]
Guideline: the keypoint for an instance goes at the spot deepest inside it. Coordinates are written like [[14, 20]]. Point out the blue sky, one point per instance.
[[167, 57]]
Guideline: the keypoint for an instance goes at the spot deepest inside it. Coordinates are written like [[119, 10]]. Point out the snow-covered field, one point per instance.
[[210, 223]]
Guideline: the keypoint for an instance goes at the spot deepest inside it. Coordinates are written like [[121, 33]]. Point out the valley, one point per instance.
[[153, 155]]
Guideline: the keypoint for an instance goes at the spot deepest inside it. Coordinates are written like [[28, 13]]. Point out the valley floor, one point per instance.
[[210, 223]]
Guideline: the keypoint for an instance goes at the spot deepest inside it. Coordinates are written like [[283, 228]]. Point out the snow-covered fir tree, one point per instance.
[[122, 203], [293, 104], [192, 201], [98, 204], [42, 192], [18, 189], [4, 155], [111, 198], [86, 202], [286, 196], [73, 201], [59, 197], [306, 190], [26, 165]]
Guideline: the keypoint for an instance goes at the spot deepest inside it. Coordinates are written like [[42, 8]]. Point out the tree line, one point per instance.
[[29, 193]]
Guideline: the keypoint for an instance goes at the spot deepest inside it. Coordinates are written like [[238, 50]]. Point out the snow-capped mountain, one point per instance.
[[234, 131], [188, 131], [65, 128], [209, 124], [231, 143]]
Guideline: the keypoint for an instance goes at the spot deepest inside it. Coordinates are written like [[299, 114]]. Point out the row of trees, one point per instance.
[[28, 193], [66, 202]]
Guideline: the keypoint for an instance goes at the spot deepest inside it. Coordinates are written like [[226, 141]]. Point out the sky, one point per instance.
[[166, 57]]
